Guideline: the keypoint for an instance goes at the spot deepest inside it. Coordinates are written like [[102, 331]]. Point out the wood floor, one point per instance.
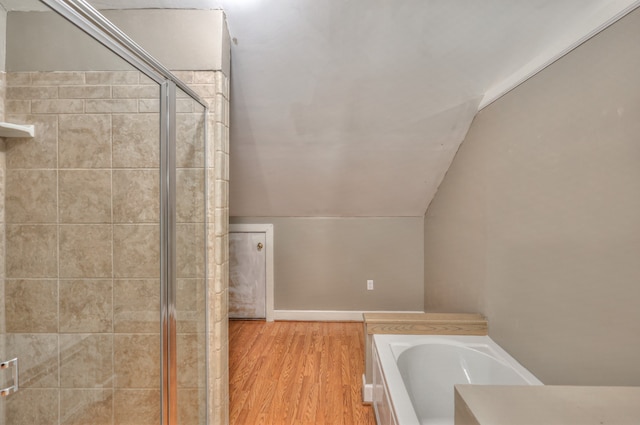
[[296, 373]]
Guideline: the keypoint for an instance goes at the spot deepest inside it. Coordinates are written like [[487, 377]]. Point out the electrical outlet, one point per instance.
[[370, 285]]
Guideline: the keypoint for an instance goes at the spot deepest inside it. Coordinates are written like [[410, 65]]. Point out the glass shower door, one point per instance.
[[81, 291], [82, 305], [81, 217]]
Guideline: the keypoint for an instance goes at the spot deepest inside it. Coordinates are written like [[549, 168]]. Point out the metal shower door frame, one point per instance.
[[89, 20], [168, 352]]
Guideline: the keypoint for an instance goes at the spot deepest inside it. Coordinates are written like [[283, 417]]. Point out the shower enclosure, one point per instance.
[[104, 214]]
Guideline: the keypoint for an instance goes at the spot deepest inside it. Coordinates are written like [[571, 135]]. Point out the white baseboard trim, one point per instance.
[[367, 391], [327, 315]]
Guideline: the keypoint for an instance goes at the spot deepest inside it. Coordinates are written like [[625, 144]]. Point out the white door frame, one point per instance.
[[267, 229]]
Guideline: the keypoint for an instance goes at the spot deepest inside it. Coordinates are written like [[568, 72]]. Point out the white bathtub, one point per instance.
[[414, 375]]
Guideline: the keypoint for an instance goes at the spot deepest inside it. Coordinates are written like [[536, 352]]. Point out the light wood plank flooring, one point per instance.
[[296, 373]]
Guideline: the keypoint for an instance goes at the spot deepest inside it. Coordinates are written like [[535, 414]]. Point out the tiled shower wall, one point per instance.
[[218, 244], [3, 381], [82, 299]]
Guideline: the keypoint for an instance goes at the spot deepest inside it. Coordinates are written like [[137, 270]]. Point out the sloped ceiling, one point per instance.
[[357, 108]]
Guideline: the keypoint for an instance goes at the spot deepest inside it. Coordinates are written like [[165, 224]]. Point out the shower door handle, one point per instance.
[[6, 365]]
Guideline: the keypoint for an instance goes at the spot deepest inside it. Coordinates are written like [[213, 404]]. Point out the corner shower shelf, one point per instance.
[[16, 130]]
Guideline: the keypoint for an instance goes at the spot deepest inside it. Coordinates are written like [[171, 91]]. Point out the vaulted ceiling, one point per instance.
[[357, 108]]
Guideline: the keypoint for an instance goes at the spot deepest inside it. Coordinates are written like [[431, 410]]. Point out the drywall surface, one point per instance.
[[324, 263], [537, 223], [3, 39], [179, 39]]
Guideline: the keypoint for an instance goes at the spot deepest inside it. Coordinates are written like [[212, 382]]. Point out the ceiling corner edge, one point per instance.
[[613, 14]]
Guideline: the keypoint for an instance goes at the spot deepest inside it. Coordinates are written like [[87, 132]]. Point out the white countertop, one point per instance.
[[546, 405]]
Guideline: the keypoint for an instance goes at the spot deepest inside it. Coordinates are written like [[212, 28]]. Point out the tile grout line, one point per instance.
[[113, 286], [58, 258]]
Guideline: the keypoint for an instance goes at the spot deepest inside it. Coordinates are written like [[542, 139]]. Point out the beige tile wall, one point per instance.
[[83, 248], [218, 249], [213, 87], [3, 380]]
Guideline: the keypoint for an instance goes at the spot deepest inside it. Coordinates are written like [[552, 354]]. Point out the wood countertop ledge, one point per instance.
[[425, 323]]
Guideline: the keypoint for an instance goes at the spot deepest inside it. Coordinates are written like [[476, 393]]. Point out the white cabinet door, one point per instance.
[[247, 275]]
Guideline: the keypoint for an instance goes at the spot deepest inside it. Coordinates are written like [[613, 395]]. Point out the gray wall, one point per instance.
[[180, 39], [537, 223], [324, 263], [3, 39]]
